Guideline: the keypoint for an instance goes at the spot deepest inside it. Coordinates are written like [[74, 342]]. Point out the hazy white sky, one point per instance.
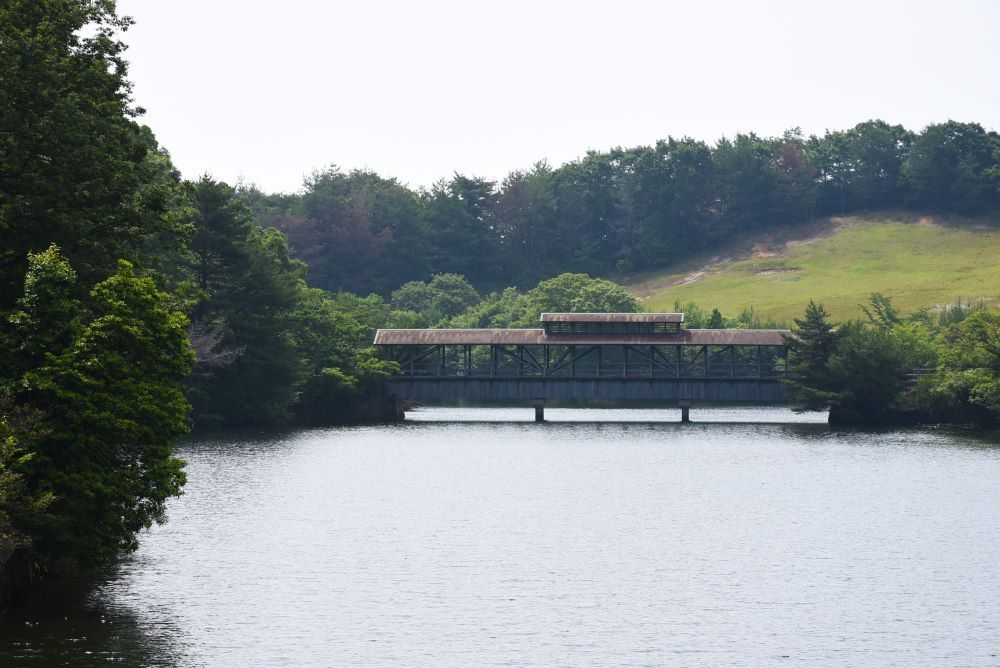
[[268, 91]]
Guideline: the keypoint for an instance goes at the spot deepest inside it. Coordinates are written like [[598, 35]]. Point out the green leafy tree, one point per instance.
[[220, 225], [675, 193], [746, 181], [951, 167], [344, 372], [694, 315], [525, 210], [445, 296], [576, 293], [867, 373], [260, 385], [75, 169], [880, 312], [586, 192], [248, 288], [859, 168], [22, 510], [459, 215], [499, 309], [969, 372], [113, 403], [46, 317], [861, 370]]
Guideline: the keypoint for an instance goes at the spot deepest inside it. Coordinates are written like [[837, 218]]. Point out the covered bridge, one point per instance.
[[603, 356]]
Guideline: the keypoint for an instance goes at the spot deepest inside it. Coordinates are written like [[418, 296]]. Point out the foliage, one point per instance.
[[893, 366], [500, 309], [867, 371], [112, 404], [952, 167], [247, 286], [576, 293], [625, 209], [969, 372], [882, 314], [812, 343], [445, 296], [859, 169], [21, 508], [343, 369], [94, 354], [357, 231], [567, 293], [75, 168], [270, 349]]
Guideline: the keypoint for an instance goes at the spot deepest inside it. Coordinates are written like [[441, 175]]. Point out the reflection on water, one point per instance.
[[76, 624], [729, 541]]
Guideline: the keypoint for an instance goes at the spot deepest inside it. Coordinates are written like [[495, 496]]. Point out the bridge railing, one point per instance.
[[679, 362]]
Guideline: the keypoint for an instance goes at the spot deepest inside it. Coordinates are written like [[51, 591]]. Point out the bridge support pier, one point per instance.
[[685, 410], [539, 405]]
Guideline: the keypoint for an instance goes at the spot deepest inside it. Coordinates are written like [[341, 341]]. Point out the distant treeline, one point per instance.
[[621, 210]]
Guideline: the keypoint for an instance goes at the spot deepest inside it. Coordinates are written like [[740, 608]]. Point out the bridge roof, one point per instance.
[[612, 317], [534, 337]]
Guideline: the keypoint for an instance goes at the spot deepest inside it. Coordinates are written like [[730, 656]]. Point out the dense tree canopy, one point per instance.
[[566, 293], [109, 390], [75, 168], [624, 209], [892, 368]]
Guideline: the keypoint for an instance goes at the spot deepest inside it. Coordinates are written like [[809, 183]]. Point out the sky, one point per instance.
[[267, 92]]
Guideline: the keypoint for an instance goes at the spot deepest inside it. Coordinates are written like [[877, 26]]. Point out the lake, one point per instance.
[[475, 537]]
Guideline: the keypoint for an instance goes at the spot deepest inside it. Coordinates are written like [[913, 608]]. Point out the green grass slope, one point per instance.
[[918, 262]]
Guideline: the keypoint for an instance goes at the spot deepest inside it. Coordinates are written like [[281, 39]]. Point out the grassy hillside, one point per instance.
[[917, 261]]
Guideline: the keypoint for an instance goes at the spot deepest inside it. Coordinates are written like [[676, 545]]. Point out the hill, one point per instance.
[[918, 261]]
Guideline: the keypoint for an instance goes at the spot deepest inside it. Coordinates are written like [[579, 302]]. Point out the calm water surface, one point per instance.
[[452, 541]]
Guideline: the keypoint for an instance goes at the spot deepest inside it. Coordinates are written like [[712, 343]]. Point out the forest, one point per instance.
[[615, 212], [136, 304]]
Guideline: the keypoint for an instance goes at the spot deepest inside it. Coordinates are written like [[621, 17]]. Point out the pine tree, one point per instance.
[[811, 344]]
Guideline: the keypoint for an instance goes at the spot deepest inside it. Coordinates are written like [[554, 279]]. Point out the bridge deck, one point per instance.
[[521, 390]]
